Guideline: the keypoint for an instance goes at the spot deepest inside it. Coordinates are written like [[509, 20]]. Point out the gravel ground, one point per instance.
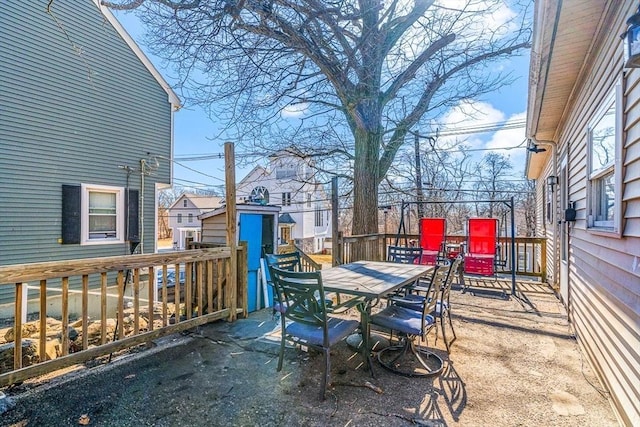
[[515, 363]]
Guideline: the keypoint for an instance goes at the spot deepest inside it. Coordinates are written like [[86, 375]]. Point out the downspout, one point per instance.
[[142, 168], [554, 223]]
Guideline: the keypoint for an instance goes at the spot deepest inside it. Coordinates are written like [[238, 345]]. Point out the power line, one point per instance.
[[484, 128]]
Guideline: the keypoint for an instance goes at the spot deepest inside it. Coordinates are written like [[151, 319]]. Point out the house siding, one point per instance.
[[214, 229], [604, 271], [78, 105]]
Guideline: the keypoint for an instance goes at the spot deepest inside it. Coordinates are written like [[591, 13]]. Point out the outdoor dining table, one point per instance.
[[370, 280]]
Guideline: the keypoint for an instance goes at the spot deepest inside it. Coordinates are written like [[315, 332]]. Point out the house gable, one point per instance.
[[288, 179]]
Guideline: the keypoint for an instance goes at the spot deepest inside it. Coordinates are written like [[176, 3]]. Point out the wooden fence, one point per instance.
[[530, 251], [306, 262], [136, 289]]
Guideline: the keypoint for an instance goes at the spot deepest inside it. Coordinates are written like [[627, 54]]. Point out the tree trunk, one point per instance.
[[365, 182]]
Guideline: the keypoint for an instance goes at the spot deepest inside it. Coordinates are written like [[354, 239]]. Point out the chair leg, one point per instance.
[[444, 334], [431, 363], [453, 332], [281, 356], [326, 379]]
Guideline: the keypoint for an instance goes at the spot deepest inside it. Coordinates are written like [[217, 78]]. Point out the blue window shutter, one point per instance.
[[133, 225], [71, 214]]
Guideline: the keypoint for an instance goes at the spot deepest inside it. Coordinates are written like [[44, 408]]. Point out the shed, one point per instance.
[[257, 225]]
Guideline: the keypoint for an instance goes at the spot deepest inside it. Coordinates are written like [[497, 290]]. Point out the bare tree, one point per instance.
[[360, 73], [526, 214], [490, 186]]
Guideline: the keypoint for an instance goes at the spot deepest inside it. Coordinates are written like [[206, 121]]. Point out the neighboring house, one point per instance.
[[183, 217], [288, 181], [584, 111], [86, 134]]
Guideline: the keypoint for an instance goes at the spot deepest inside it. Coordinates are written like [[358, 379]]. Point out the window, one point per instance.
[[260, 195], [319, 218], [103, 214], [285, 235], [286, 172], [308, 200], [184, 203], [286, 199], [179, 218], [604, 135], [190, 217]]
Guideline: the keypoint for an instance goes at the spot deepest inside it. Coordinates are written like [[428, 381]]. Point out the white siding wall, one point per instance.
[[604, 270]]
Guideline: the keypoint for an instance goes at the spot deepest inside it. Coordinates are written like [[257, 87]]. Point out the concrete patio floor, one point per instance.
[[515, 363]]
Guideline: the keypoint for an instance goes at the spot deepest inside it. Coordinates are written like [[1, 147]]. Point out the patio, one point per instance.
[[515, 362]]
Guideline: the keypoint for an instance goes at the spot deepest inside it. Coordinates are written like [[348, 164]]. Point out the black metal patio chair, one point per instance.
[[310, 322], [410, 318], [442, 309]]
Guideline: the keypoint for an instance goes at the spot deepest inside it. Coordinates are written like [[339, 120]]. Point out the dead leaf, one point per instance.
[[128, 377], [84, 420]]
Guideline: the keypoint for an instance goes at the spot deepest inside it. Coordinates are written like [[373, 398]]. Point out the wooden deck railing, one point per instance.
[[306, 262], [79, 291], [530, 251]]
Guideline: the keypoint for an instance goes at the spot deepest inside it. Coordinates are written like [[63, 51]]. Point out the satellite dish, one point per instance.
[[260, 195]]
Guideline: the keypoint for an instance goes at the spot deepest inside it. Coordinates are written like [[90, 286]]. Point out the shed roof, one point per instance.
[[242, 208]]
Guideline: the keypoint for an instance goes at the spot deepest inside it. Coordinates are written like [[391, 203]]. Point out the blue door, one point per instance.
[[251, 232]]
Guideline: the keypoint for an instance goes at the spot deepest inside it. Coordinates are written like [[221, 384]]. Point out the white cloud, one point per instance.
[[466, 116], [295, 110], [472, 115]]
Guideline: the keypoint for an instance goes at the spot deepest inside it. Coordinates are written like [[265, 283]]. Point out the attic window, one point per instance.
[[286, 172]]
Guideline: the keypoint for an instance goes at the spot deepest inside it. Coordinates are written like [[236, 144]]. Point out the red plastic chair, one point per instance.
[[432, 236], [482, 243]]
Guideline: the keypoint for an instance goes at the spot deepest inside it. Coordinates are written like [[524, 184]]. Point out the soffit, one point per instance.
[[564, 34]]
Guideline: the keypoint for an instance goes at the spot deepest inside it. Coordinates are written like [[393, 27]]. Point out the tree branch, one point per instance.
[[133, 4], [409, 73]]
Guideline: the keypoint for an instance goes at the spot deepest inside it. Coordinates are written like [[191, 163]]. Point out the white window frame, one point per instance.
[[319, 217], [286, 171], [190, 218], [596, 177], [286, 198], [120, 214]]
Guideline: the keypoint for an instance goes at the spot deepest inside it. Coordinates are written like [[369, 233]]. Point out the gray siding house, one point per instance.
[[86, 139], [584, 123]]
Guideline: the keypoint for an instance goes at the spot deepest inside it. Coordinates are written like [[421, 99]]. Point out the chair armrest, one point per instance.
[[407, 301]]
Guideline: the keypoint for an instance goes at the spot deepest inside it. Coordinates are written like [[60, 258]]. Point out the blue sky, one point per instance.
[[194, 131]]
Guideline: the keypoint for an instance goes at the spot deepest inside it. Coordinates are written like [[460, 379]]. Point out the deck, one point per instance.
[[515, 362]]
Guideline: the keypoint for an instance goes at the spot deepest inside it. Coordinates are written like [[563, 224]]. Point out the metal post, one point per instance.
[[419, 195], [513, 248], [335, 250]]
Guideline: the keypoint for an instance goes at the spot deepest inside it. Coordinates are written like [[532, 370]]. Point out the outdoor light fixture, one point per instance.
[[552, 181], [534, 149], [631, 39]]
